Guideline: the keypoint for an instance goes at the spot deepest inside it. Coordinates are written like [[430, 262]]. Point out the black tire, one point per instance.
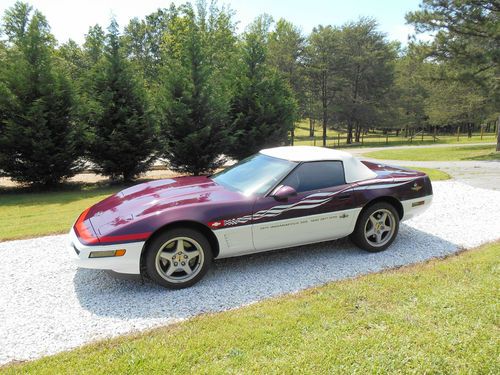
[[167, 244], [365, 224]]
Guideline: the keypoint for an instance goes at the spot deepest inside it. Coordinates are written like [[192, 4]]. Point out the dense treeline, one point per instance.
[[183, 86]]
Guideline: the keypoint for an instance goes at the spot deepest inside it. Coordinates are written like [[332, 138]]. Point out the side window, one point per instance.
[[316, 175]]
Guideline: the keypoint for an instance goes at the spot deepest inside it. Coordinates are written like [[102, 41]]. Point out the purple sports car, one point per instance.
[[171, 230]]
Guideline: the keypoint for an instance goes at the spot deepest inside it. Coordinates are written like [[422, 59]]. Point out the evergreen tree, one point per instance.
[[286, 49], [263, 109], [40, 142], [195, 97], [123, 134]]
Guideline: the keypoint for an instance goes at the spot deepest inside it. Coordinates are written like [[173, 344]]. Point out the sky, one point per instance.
[[71, 19]]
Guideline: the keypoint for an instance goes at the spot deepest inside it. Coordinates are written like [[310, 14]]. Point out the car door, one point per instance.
[[323, 208]]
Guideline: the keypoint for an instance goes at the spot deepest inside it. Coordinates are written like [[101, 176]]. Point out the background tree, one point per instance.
[[467, 36], [73, 58], [123, 134], [323, 64], [263, 109], [411, 87], [40, 142], [452, 103], [143, 41], [195, 98], [94, 45], [367, 74]]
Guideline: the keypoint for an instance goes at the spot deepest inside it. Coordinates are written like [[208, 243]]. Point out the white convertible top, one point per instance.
[[354, 170]]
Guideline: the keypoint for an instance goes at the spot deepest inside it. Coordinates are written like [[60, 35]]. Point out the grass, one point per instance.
[[378, 139], [485, 152], [437, 317], [434, 174], [30, 214]]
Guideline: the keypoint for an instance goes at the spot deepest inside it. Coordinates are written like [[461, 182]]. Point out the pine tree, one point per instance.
[[263, 109], [195, 97], [123, 134], [40, 142]]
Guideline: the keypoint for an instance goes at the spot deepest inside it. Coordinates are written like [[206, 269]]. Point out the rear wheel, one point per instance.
[[377, 227], [178, 258]]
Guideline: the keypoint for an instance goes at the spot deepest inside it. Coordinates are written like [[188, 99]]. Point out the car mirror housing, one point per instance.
[[283, 192]]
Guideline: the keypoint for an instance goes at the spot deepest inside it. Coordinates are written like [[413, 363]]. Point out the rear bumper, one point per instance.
[[128, 263], [414, 207]]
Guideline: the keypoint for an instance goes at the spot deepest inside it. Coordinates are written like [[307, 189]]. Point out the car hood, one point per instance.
[[153, 198]]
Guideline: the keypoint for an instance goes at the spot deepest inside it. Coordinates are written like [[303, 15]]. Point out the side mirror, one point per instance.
[[283, 192]]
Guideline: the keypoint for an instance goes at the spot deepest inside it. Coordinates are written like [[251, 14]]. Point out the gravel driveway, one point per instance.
[[47, 305]]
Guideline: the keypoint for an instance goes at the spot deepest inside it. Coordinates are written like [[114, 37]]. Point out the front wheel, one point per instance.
[[376, 228], [178, 258]]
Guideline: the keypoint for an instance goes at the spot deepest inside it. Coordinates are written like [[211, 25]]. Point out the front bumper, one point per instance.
[[128, 263]]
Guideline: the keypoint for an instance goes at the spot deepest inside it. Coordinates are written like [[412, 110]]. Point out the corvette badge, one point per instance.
[[416, 187], [215, 224]]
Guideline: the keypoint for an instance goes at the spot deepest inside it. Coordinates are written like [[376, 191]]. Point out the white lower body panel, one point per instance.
[[414, 207], [278, 234], [128, 263]]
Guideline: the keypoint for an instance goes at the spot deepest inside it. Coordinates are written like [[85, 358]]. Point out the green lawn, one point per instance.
[[378, 139], [485, 152], [35, 214], [437, 317], [434, 174]]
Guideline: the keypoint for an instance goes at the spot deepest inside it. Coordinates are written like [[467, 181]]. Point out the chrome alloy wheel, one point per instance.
[[179, 259], [380, 227]]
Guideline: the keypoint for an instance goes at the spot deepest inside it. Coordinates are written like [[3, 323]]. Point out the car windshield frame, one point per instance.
[[276, 179]]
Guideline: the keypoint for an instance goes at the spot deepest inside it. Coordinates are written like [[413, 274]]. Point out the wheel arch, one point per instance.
[[389, 199], [206, 231]]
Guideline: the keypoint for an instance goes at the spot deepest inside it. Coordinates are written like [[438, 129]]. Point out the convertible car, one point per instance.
[[170, 230]]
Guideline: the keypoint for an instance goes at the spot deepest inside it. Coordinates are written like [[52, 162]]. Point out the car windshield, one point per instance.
[[255, 174]]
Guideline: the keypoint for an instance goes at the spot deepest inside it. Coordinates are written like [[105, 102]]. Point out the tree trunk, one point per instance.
[[358, 133], [498, 134], [469, 130], [311, 127], [353, 111], [325, 106], [325, 121], [349, 133]]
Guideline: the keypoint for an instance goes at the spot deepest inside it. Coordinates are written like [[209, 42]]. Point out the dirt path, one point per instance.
[[93, 178]]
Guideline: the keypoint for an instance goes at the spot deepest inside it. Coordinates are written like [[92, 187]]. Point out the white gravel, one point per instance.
[[47, 305]]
